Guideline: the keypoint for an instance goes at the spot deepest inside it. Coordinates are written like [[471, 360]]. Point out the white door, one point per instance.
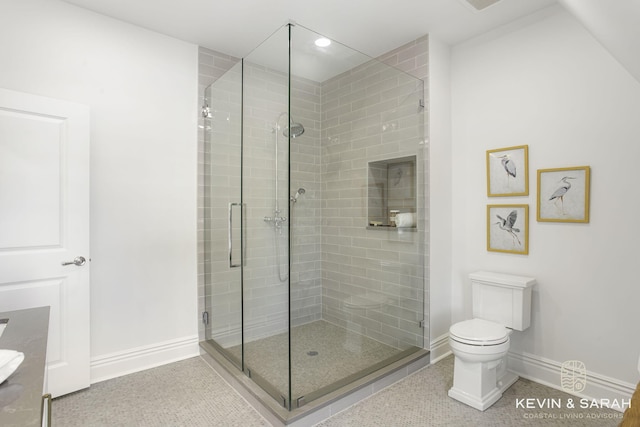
[[44, 222]]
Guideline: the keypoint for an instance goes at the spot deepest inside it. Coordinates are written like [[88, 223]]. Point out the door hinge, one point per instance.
[[421, 323], [205, 317]]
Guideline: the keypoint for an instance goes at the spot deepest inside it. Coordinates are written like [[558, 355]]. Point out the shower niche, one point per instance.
[[392, 198], [296, 298]]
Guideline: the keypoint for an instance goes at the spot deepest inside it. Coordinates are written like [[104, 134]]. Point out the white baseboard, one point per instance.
[[439, 348], [547, 372], [140, 358]]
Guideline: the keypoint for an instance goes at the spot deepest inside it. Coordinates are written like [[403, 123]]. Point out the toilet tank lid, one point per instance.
[[503, 279]]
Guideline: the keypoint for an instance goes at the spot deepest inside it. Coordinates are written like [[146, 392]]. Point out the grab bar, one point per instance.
[[231, 205]]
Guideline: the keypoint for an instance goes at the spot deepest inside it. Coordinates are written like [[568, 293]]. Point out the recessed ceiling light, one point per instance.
[[323, 42]]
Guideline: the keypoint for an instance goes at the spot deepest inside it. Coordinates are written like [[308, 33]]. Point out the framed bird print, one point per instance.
[[508, 228], [563, 194], [508, 171]]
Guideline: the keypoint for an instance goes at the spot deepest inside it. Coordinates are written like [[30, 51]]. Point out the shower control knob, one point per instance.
[[277, 219]]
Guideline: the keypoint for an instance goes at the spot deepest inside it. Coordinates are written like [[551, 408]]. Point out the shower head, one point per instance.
[[294, 129], [300, 192]]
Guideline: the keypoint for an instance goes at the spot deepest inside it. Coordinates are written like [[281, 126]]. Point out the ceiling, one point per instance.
[[369, 26]]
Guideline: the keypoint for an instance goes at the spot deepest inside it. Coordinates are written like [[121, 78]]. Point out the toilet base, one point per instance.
[[483, 402]]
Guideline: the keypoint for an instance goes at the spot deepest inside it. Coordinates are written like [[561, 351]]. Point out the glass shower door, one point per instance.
[[247, 216], [223, 214]]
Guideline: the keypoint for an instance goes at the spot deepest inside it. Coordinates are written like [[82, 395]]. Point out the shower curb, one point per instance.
[[321, 408]]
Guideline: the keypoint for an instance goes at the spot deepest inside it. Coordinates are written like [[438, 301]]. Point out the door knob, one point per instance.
[[79, 260]]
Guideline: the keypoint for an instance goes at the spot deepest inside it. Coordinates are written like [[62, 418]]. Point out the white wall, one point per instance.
[[550, 85], [440, 197], [141, 88]]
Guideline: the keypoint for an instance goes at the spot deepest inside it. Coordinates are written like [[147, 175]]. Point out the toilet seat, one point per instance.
[[479, 332]]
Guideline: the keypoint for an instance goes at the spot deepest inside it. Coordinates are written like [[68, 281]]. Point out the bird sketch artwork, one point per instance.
[[507, 228], [509, 166], [508, 224], [558, 195], [507, 172], [563, 194]]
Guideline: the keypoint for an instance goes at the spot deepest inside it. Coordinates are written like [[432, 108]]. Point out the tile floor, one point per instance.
[[190, 393]]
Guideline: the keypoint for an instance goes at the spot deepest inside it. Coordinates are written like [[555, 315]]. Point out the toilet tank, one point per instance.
[[502, 298]]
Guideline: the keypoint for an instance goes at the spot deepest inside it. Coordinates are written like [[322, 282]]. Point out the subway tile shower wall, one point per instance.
[[368, 116]]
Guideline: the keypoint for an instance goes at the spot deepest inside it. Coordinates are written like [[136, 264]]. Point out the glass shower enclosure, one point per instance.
[[314, 215]]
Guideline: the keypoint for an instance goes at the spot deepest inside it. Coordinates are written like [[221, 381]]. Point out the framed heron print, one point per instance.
[[508, 171], [563, 194], [508, 228]]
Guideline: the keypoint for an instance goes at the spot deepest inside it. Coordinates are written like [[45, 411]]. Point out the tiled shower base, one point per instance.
[[340, 354]]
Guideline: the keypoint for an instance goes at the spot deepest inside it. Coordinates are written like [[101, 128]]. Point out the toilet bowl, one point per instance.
[[501, 303], [480, 348]]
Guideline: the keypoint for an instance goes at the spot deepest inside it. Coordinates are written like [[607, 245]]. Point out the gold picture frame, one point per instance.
[[563, 194], [508, 229], [508, 171]]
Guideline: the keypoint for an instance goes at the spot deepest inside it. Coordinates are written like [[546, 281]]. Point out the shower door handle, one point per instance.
[[231, 205]]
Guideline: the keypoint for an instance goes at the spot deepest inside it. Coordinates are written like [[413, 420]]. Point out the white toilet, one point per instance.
[[501, 303]]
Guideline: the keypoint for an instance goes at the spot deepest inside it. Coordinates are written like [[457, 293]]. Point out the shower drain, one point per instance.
[[312, 353]]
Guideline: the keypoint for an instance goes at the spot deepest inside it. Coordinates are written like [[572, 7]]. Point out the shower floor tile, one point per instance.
[[321, 354]]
